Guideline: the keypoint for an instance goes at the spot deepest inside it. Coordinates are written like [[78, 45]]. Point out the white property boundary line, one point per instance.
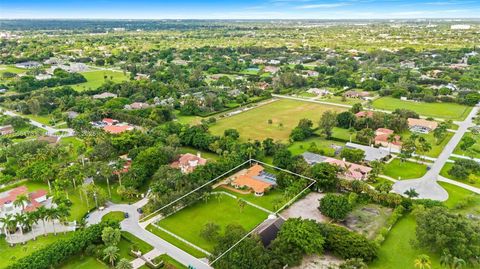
[[312, 181]]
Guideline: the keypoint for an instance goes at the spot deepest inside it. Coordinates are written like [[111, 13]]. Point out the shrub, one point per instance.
[[335, 206]]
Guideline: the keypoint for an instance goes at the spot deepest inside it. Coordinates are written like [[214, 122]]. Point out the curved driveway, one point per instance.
[[427, 186], [131, 225], [50, 130]]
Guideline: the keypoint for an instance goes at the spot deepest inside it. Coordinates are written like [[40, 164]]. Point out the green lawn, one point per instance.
[[84, 262], [9, 255], [272, 200], [404, 170], [396, 251], [458, 194], [114, 215], [169, 261], [474, 150], [285, 115], [473, 180], [205, 154], [339, 100], [96, 79], [436, 148], [172, 240], [321, 144], [43, 119], [449, 111], [223, 211]]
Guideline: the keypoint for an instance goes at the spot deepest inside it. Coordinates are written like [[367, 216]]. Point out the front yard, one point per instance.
[[404, 170]]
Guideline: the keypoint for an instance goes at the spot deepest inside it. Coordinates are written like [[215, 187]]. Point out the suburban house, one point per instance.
[[140, 76], [137, 105], [254, 179], [7, 198], [355, 94], [28, 65], [312, 73], [117, 129], [6, 129], [364, 114], [43, 76], [268, 230], [126, 165], [109, 121], [104, 95], [382, 136], [317, 91], [421, 125], [263, 85], [188, 162], [351, 171], [371, 153], [271, 69]]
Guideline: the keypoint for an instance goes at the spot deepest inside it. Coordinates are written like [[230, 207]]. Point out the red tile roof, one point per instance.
[[116, 129]]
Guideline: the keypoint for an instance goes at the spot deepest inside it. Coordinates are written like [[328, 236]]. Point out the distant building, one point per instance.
[[382, 136], [104, 95], [140, 76], [43, 76], [364, 114], [460, 26], [6, 129], [371, 153], [136, 106], [188, 162], [421, 125], [117, 129], [355, 94], [312, 73], [28, 65], [35, 200], [271, 69], [317, 91], [50, 139], [350, 171]]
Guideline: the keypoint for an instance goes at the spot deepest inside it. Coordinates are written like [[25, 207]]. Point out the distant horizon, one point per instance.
[[234, 19], [241, 10]]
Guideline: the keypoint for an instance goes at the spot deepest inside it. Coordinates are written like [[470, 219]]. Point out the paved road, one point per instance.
[[132, 226], [427, 186], [50, 130]]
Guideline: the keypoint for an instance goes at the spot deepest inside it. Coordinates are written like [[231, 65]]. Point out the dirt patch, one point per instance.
[[368, 219], [326, 261], [306, 208]]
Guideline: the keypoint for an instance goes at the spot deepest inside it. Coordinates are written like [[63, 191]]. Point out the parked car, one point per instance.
[[126, 215]]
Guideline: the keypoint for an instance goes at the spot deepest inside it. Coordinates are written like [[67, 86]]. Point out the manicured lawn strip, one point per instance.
[[457, 194], [9, 255], [222, 211], [449, 111], [338, 100], [114, 215], [397, 252], [172, 240], [271, 200], [404, 170], [253, 124], [300, 147], [84, 262], [169, 260], [205, 154], [474, 179], [475, 148], [343, 134], [436, 148], [143, 246], [43, 119], [96, 79]]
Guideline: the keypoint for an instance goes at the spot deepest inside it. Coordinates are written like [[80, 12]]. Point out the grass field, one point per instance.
[[404, 170], [473, 180], [285, 115], [95, 79], [339, 100], [172, 240], [223, 211], [9, 255], [83, 262], [474, 150], [321, 144], [449, 111], [205, 154], [114, 215], [436, 148], [272, 199]]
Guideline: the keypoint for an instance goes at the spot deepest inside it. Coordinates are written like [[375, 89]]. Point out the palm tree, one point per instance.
[[42, 215], [446, 259], [21, 201], [111, 254], [458, 263], [390, 139], [20, 219], [423, 262], [52, 215], [124, 264], [241, 204], [5, 221]]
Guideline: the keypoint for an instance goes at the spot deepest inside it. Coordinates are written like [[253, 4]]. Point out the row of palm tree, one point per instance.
[[447, 260], [24, 221]]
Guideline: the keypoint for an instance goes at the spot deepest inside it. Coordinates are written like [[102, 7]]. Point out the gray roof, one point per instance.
[[312, 158], [371, 153]]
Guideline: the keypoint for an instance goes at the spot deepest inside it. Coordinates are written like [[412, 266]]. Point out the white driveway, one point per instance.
[[50, 130], [132, 226]]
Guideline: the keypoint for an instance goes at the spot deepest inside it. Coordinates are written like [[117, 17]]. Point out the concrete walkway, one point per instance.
[[50, 130], [132, 226], [38, 230], [427, 186]]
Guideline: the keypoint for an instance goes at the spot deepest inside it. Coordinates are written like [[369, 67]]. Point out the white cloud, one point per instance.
[[313, 6]]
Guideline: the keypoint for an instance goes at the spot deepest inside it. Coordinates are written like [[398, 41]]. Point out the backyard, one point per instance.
[[284, 115], [321, 144], [96, 78], [221, 210], [449, 111]]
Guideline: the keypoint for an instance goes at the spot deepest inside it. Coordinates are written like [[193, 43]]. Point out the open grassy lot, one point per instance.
[[96, 78], [320, 143], [172, 240], [340, 100], [11, 69], [285, 115], [205, 154], [368, 219], [458, 195], [222, 211], [9, 255], [473, 179], [449, 111], [84, 262], [436, 148], [272, 199], [474, 150], [404, 170]]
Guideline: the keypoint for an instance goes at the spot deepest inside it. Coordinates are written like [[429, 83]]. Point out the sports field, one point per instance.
[[222, 211], [285, 115], [95, 79], [449, 111]]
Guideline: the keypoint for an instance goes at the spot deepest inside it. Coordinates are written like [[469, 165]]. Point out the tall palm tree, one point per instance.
[[458, 263], [124, 264], [52, 215], [21, 201], [423, 262], [111, 254], [42, 215], [30, 220], [20, 219], [5, 221], [390, 139], [446, 259]]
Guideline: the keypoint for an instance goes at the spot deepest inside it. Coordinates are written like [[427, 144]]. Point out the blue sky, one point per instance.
[[240, 9]]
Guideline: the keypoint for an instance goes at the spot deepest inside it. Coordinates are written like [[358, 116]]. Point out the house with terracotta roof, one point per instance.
[[7, 199], [364, 114], [271, 69], [421, 125], [254, 179], [188, 162], [350, 171], [355, 94], [382, 136], [117, 129], [7, 129]]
